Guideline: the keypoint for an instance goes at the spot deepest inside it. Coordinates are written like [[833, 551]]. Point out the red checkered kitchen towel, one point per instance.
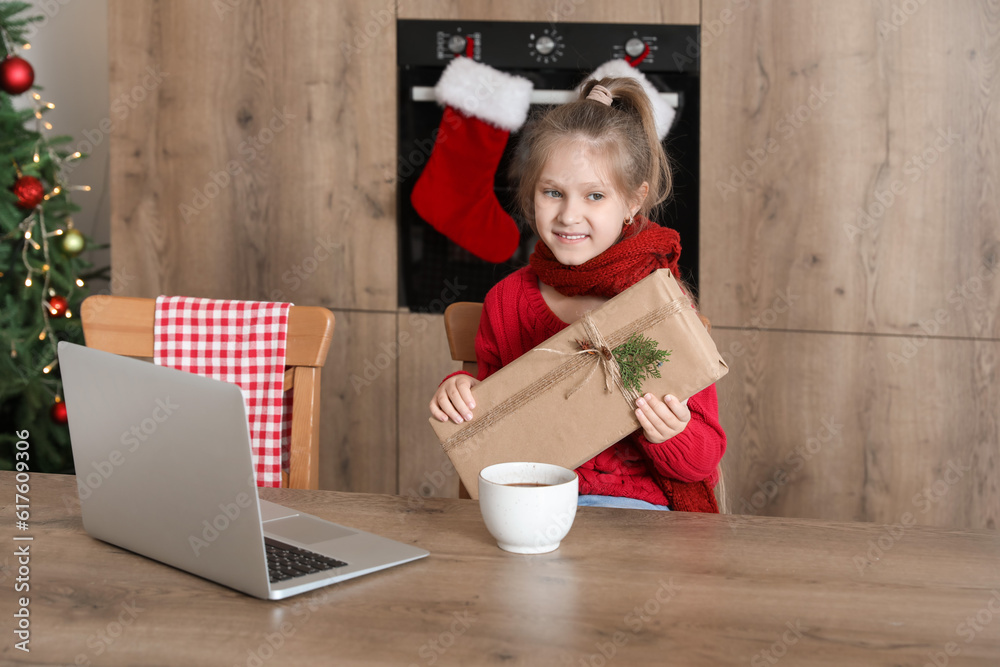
[[241, 342]]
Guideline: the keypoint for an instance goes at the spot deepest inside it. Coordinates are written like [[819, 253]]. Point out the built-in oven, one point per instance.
[[556, 58]]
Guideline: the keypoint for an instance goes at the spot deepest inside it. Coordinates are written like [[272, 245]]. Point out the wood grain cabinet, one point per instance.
[[849, 235], [849, 254]]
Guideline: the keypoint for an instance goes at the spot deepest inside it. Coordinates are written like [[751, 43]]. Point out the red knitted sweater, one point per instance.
[[516, 318]]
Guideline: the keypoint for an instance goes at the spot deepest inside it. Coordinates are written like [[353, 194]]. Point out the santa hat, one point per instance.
[[663, 113]]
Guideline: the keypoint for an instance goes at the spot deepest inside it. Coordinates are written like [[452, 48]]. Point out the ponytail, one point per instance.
[[629, 96]]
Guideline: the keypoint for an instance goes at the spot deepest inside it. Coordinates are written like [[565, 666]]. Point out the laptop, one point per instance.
[[164, 469]]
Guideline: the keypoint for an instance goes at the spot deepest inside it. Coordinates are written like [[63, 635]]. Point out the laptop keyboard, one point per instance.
[[286, 562]]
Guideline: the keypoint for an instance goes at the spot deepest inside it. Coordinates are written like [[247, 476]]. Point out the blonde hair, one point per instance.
[[623, 135]]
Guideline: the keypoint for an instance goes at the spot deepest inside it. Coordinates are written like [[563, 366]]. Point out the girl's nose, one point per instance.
[[571, 211]]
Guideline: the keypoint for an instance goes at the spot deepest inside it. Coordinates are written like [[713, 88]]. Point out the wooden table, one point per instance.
[[627, 587]]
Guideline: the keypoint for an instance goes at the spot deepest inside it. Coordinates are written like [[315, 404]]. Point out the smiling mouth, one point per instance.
[[571, 237]]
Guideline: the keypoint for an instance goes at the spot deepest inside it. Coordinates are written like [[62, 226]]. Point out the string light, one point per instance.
[[37, 235]]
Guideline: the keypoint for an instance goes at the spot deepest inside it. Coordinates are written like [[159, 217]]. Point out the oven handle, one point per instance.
[[426, 94]]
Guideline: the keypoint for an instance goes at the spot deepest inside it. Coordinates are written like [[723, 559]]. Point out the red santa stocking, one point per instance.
[[455, 191]]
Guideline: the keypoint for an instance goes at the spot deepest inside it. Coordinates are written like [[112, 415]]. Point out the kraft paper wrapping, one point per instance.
[[551, 406]]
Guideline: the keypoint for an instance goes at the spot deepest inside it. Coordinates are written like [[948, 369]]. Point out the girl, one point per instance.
[[588, 174]]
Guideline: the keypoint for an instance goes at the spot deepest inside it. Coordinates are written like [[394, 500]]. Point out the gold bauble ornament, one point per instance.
[[73, 243]]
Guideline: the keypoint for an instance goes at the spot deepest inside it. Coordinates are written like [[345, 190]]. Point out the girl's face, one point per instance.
[[578, 215]]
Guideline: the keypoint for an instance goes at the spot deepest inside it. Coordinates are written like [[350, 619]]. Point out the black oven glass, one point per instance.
[[433, 271]]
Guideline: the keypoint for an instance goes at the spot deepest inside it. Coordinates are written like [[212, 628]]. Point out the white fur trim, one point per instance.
[[486, 93], [663, 113]]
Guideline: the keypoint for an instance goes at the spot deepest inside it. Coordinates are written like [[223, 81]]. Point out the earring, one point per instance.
[[628, 221]]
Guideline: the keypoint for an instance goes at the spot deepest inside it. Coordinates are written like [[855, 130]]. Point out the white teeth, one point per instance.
[[572, 237]]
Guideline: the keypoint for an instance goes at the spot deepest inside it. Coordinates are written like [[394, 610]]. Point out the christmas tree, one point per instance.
[[41, 275]]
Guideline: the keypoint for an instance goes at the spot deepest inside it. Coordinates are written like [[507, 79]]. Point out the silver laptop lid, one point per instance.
[[163, 465]]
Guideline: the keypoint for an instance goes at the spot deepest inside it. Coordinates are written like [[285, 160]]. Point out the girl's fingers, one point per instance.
[[437, 411], [444, 403], [651, 432], [462, 410], [661, 416], [466, 391], [678, 408]]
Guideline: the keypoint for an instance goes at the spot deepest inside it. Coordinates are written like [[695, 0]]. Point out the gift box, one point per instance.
[[573, 396]]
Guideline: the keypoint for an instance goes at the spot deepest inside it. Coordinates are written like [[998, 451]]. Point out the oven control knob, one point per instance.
[[634, 47], [545, 45], [456, 44]]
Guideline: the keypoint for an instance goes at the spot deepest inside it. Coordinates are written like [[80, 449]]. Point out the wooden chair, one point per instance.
[[124, 325], [461, 320]]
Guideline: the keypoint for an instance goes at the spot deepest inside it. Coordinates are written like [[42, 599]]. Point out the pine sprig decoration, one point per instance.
[[638, 359]]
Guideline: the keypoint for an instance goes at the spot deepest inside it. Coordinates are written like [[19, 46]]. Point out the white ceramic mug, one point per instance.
[[528, 507]]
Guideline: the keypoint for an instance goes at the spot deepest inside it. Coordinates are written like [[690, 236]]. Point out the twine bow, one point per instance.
[[597, 346]]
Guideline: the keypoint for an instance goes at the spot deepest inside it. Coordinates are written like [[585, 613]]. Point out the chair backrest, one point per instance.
[[124, 325], [461, 321]]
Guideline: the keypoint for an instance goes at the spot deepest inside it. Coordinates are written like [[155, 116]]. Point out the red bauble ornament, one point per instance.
[[30, 192], [57, 306], [16, 75], [58, 413]]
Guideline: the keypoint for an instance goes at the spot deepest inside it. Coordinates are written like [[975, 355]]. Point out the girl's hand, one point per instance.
[[662, 420], [453, 399]]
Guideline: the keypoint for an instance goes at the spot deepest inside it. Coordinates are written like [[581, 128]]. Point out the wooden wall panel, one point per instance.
[[836, 426], [424, 360], [847, 152], [850, 154], [245, 177], [647, 11], [358, 427]]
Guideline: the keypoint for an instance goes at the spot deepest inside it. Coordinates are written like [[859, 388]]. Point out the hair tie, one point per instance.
[[600, 94]]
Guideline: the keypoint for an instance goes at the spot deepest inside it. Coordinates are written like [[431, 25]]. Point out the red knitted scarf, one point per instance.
[[645, 247]]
